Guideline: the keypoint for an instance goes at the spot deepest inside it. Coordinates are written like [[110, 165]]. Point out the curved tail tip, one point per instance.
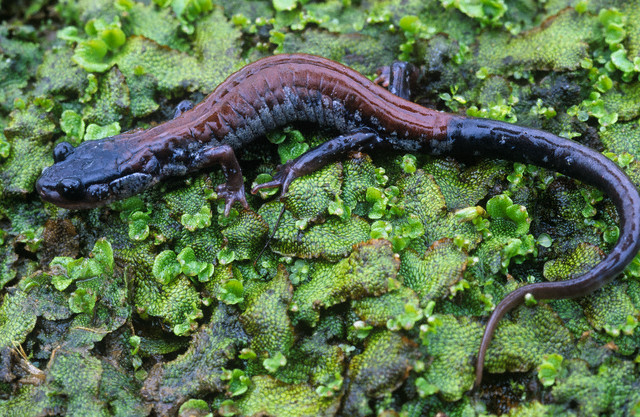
[[478, 380]]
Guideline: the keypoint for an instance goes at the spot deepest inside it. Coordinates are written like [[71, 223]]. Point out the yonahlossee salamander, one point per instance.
[[282, 89]]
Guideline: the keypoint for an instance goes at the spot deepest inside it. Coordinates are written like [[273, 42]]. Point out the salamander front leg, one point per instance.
[[333, 150], [233, 189]]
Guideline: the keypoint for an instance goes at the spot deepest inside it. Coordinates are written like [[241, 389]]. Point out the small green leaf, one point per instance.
[[425, 388], [228, 408], [192, 267], [277, 137], [620, 60], [61, 282], [231, 292], [410, 23], [265, 192], [239, 382], [299, 272], [72, 124], [604, 83], [611, 234], [497, 206], [103, 254], [284, 5], [582, 6], [98, 132], [69, 33], [407, 320], [205, 274], [188, 262], [291, 150], [331, 387], [113, 37], [247, 354], [275, 363], [409, 164], [550, 369], [381, 229], [362, 329], [82, 301], [199, 220], [166, 267], [544, 240], [89, 54], [139, 225], [134, 342], [226, 256]]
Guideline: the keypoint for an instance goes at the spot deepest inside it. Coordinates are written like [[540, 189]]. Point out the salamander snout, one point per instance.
[[66, 192]]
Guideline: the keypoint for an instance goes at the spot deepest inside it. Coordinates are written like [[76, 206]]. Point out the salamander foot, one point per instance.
[[282, 179], [231, 195]]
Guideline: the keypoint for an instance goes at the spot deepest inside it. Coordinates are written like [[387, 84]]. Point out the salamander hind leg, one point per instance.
[[233, 190], [183, 106], [398, 78], [363, 139]]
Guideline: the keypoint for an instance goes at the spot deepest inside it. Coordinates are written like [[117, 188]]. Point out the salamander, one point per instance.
[[283, 89]]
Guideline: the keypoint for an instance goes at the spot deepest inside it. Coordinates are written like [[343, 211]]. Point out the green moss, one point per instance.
[[57, 77], [7, 269], [30, 401], [576, 263], [331, 240], [346, 48], [308, 197], [272, 397], [623, 101], [377, 311], [566, 37], [265, 317], [521, 345], [463, 187], [77, 378], [436, 246], [198, 370], [245, 236], [449, 345], [611, 390], [535, 409], [379, 369], [358, 175], [32, 299], [630, 10], [142, 19], [112, 101], [367, 271], [17, 319], [78, 385], [609, 310], [177, 303], [622, 137], [215, 40], [433, 274], [20, 56], [26, 131]]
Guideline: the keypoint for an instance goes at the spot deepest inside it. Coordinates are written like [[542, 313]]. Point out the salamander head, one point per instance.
[[88, 176]]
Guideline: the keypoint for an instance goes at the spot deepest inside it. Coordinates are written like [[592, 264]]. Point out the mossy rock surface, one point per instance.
[[369, 294]]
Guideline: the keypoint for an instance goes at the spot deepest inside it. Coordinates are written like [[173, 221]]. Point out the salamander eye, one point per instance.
[[70, 188], [61, 151]]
